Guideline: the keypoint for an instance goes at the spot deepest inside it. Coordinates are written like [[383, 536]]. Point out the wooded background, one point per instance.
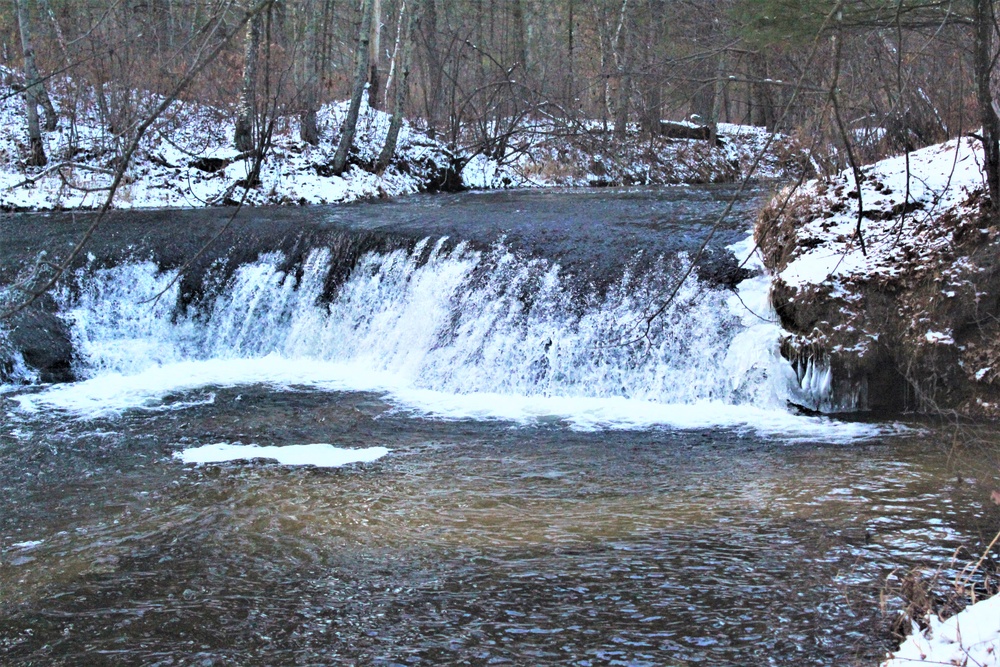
[[882, 76]]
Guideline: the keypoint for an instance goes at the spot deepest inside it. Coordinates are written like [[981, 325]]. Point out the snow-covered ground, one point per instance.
[[970, 638], [901, 218], [187, 158], [544, 154], [911, 281]]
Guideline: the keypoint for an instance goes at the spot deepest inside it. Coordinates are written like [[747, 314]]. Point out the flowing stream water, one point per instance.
[[545, 473]]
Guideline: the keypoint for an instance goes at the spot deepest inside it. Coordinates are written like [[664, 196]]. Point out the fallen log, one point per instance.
[[674, 130], [212, 165]]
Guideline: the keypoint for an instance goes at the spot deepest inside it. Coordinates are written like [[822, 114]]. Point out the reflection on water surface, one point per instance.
[[470, 543]]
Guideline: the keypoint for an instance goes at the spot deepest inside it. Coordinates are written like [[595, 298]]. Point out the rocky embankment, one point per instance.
[[906, 314]]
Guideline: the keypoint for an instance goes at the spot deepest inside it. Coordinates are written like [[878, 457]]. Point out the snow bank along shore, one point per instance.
[[969, 638], [186, 159]]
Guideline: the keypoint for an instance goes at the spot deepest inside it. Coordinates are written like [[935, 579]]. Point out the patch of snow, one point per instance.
[[939, 338], [543, 154], [970, 637], [320, 455], [981, 373], [940, 179]]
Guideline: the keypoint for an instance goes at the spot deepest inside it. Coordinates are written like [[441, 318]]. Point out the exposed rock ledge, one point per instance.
[[912, 323]]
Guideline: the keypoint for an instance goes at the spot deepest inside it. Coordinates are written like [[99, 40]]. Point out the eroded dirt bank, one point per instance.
[[906, 314]]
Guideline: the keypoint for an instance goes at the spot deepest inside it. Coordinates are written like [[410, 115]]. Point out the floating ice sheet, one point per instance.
[[320, 455]]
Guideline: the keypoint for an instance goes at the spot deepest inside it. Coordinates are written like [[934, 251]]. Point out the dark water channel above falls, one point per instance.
[[579, 531], [588, 232]]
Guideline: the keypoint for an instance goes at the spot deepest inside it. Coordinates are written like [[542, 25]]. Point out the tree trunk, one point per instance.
[[36, 157], [402, 51], [621, 106], [246, 112], [520, 35], [374, 84], [374, 75], [358, 92], [650, 89], [570, 77], [51, 118], [31, 72], [717, 90], [434, 86], [308, 126], [619, 50], [761, 100], [983, 53], [309, 78]]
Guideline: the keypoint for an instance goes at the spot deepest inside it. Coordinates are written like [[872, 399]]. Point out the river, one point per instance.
[[546, 474]]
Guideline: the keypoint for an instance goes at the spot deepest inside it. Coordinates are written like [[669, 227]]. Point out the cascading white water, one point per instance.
[[454, 332], [13, 371]]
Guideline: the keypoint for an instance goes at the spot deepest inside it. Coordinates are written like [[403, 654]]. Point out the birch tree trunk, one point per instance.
[[401, 62], [36, 156], [358, 92], [246, 112]]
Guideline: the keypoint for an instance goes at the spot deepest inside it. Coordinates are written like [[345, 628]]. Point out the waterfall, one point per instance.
[[442, 328]]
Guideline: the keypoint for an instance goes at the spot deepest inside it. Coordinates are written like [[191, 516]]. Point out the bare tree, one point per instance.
[[308, 75], [212, 39], [246, 111], [339, 163], [36, 151], [400, 62], [984, 62]]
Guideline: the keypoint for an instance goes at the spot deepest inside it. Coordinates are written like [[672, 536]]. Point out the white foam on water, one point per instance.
[[320, 455], [593, 414], [14, 373], [109, 395], [450, 333], [27, 545]]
